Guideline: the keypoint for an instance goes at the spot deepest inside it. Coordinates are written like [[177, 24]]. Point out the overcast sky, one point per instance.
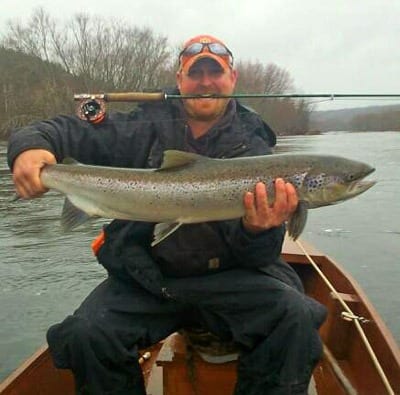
[[336, 46]]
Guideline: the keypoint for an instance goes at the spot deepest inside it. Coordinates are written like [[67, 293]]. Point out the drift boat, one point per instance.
[[361, 356]]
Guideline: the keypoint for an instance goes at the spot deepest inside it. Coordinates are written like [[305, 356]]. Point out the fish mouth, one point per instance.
[[360, 185], [357, 187]]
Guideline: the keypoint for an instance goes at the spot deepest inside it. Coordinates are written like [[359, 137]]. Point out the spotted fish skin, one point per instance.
[[190, 188]]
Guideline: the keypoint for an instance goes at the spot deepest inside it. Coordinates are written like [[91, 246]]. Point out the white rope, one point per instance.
[[350, 316]]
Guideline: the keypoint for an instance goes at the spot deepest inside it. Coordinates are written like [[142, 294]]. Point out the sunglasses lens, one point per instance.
[[218, 49], [193, 49]]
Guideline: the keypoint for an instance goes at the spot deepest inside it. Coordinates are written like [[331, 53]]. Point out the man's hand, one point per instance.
[[260, 215], [26, 172]]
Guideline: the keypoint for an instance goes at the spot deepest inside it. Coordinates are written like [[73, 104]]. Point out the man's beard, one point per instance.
[[196, 112]]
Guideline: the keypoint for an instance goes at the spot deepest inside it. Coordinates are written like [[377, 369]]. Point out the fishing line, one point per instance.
[[350, 316]]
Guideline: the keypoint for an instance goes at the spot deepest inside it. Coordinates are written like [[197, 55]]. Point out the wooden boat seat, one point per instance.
[[184, 371], [209, 346]]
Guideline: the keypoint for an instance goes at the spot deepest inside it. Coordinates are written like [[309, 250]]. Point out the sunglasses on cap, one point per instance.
[[215, 48]]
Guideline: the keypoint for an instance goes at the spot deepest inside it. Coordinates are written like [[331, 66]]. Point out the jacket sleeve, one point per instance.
[[253, 250], [112, 142]]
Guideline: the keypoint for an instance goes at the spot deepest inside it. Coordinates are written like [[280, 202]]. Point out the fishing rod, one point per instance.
[[92, 106]]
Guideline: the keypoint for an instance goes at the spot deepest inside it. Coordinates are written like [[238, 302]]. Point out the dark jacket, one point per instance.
[[138, 140]]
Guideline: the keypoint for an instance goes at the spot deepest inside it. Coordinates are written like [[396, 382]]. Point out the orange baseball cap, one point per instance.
[[205, 46]]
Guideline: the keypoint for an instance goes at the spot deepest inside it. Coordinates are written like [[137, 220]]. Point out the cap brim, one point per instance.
[[194, 59]]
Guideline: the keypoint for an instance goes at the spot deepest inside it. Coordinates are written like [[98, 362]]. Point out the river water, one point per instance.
[[45, 273]]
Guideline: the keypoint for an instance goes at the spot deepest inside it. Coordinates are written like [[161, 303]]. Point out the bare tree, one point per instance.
[[256, 77], [101, 52], [386, 119], [286, 116]]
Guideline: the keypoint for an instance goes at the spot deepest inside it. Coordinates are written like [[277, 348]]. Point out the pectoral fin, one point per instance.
[[298, 220], [163, 230], [72, 216]]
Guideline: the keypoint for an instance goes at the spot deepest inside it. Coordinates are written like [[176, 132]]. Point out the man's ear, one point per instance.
[[234, 74], [179, 79]]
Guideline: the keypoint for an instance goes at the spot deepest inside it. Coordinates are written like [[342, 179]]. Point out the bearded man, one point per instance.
[[225, 277]]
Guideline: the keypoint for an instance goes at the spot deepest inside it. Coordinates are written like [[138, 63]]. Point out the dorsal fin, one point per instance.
[[70, 161], [174, 159]]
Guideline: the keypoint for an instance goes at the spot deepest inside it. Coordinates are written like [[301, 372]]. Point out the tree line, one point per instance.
[[386, 120], [44, 62]]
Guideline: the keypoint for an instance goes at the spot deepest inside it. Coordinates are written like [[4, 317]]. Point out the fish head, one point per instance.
[[338, 179]]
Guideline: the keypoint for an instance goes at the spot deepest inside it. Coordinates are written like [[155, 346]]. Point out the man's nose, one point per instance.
[[206, 78]]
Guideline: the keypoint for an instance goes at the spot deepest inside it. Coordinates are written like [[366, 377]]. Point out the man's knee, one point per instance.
[[71, 339], [96, 357], [303, 310]]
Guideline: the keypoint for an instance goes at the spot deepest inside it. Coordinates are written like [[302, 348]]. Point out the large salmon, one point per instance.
[[190, 188]]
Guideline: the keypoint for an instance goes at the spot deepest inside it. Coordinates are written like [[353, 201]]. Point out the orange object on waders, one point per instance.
[[98, 242]]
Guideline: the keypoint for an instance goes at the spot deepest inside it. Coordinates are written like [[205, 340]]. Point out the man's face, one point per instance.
[[204, 77]]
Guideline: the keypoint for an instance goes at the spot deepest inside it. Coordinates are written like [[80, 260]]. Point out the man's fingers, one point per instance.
[[281, 199], [28, 189], [261, 200], [249, 204], [292, 198], [26, 182], [260, 214], [26, 172]]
